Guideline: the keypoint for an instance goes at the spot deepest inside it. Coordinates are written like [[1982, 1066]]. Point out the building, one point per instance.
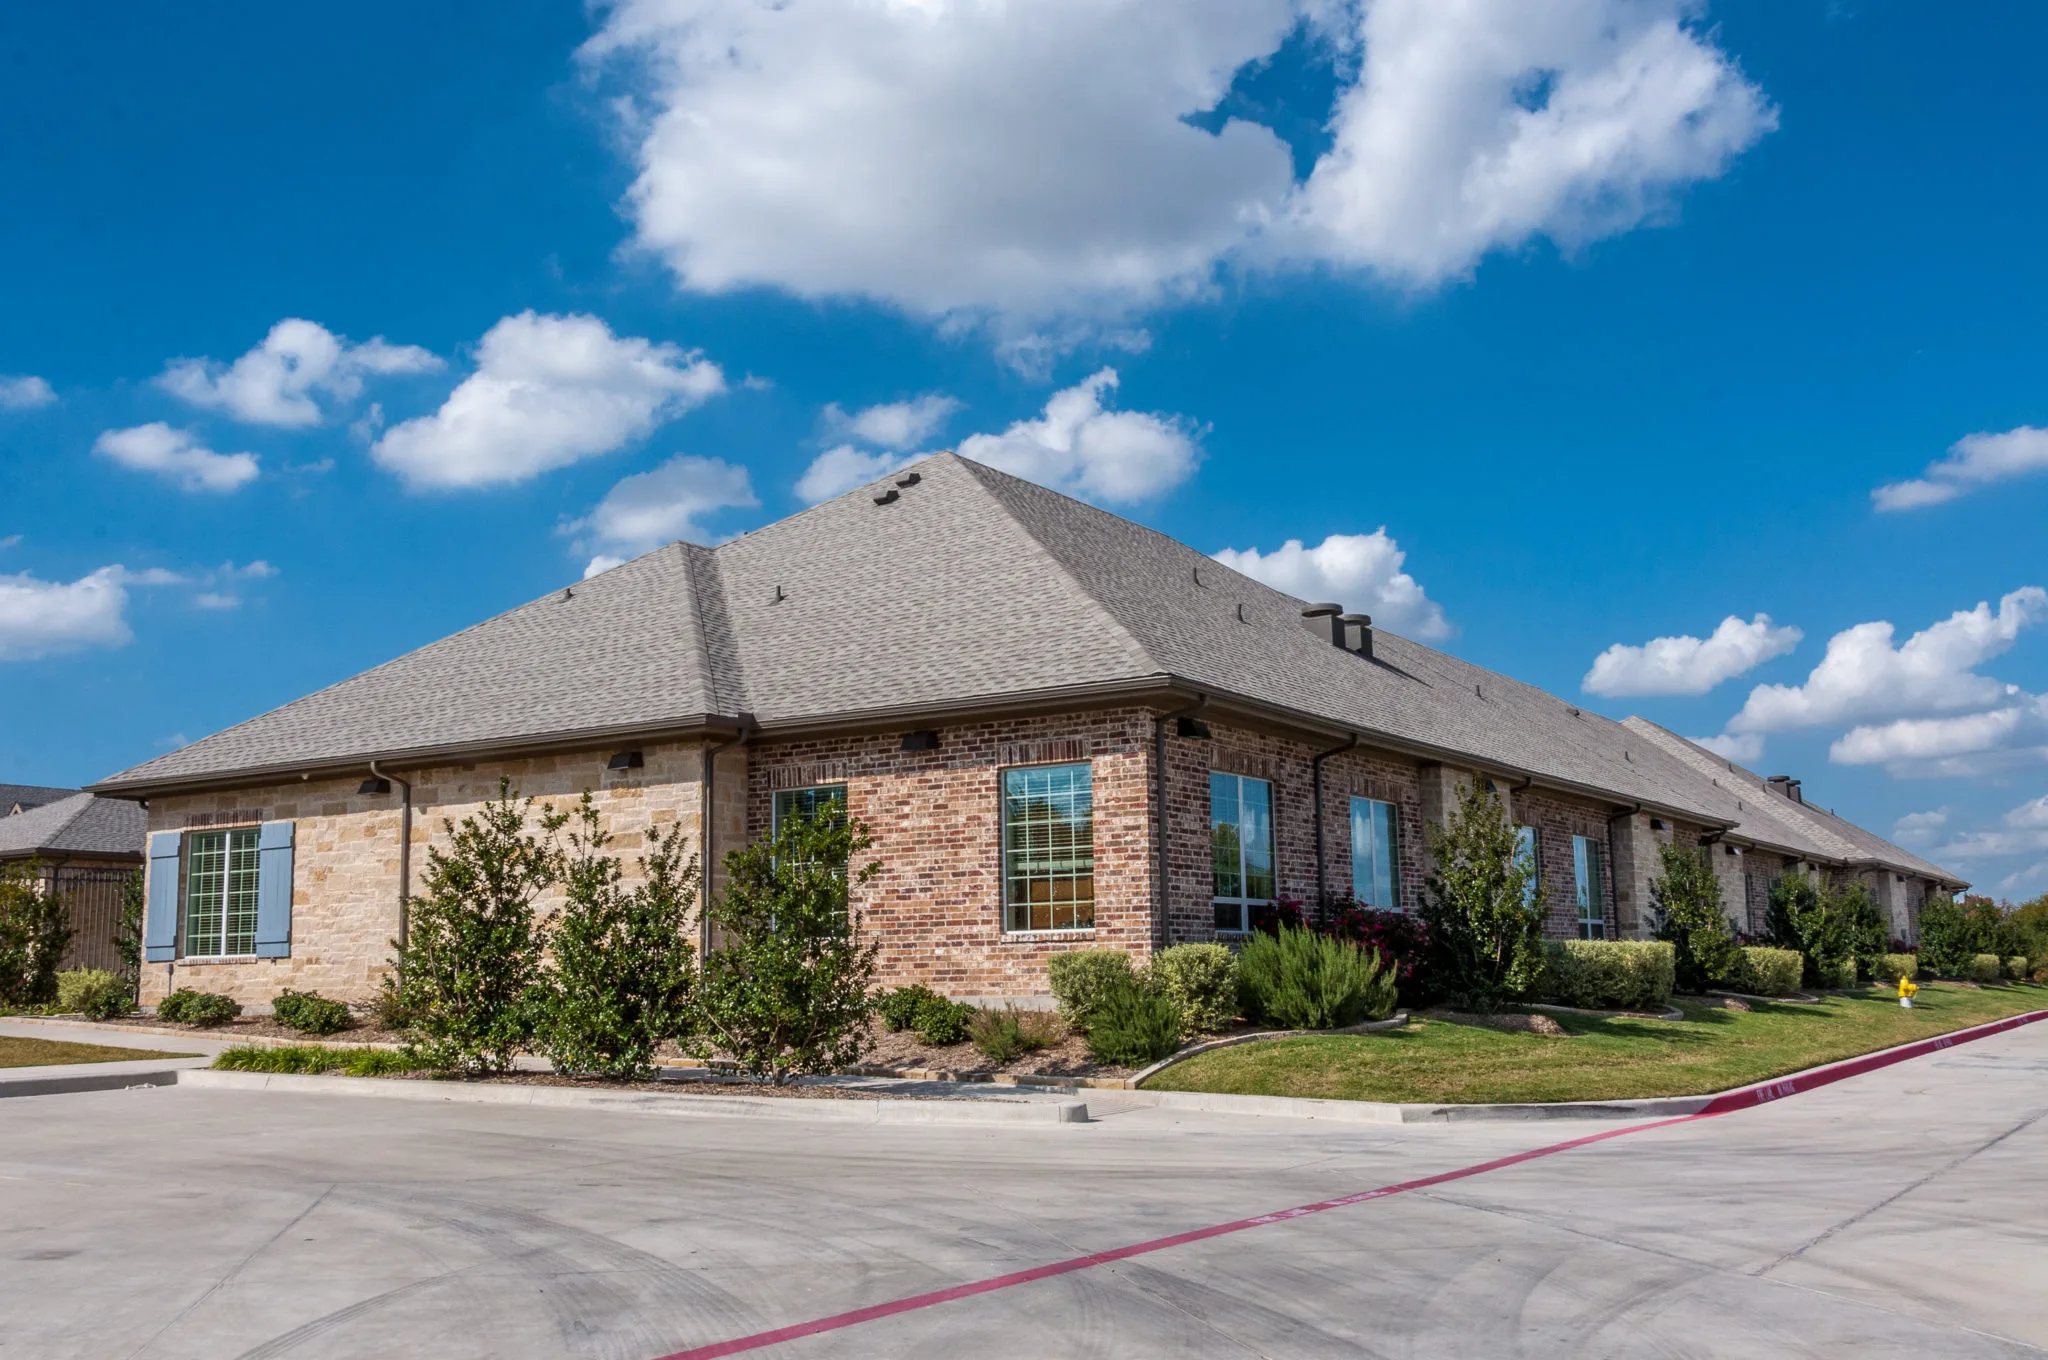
[[1059, 725], [84, 849]]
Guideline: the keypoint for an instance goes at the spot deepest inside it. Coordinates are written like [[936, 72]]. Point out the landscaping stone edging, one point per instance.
[[882, 1110], [1795, 999], [1669, 1012]]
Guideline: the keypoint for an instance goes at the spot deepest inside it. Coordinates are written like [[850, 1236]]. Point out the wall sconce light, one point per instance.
[[625, 760]]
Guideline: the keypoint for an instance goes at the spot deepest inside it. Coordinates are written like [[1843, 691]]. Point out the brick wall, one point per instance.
[[345, 855], [936, 817], [1557, 818]]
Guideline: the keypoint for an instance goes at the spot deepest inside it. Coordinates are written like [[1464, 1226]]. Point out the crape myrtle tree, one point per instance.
[[784, 988], [1483, 905], [467, 971], [1685, 902], [622, 970]]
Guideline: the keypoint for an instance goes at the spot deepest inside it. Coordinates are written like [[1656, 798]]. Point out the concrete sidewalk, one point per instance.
[[68, 1078]]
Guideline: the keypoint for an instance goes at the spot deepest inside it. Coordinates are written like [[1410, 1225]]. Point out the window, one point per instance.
[[221, 872], [1049, 848], [1587, 870], [808, 802], [1526, 853], [1241, 847], [1375, 855]]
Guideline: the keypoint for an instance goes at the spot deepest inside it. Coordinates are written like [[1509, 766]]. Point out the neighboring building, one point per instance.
[[84, 849], [1064, 729]]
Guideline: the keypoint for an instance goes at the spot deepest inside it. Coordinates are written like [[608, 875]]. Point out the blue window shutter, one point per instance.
[[160, 931], [274, 891]]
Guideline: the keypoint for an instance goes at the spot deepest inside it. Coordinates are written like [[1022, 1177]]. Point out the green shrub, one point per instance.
[[205, 1009], [1081, 978], [467, 969], [1949, 938], [94, 993], [1609, 975], [310, 1013], [1892, 967], [35, 930], [313, 1060], [1202, 980], [1132, 1025], [1770, 972], [786, 990], [621, 973], [942, 1023], [388, 1009], [1984, 967], [899, 1006], [2016, 967], [1483, 906], [1839, 975], [1830, 924], [1297, 979], [1685, 902], [128, 929], [1004, 1034]]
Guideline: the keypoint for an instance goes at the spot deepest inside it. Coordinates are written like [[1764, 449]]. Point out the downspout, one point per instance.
[[709, 837], [1161, 927], [1322, 875], [404, 851]]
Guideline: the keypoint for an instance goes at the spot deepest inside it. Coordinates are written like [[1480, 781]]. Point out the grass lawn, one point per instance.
[[1710, 1050], [45, 1053]]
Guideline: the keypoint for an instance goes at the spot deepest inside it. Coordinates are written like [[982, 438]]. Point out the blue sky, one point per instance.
[[1612, 321]]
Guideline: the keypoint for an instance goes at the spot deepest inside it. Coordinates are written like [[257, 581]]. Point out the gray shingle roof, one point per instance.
[[27, 796], [972, 587], [76, 824]]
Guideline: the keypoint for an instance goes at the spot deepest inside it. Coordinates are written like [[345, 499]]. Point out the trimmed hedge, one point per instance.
[[1839, 975], [2016, 967], [94, 993], [1297, 979], [1083, 979], [1132, 1025], [312, 1060], [1202, 980], [204, 1009], [1609, 975], [310, 1013], [1985, 968], [1770, 972], [1892, 967]]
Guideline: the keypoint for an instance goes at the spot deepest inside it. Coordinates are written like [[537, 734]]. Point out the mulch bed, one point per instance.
[[904, 1051]]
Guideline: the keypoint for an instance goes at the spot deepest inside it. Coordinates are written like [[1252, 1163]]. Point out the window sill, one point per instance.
[[221, 958], [1034, 936]]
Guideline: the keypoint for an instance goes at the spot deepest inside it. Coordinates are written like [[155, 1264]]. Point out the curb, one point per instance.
[[1136, 1080], [885, 1110], [1741, 1098], [112, 1076]]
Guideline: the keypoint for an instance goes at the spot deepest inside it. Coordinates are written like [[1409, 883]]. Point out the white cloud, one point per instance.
[[896, 425], [1686, 664], [1080, 448], [2022, 831], [1920, 828], [48, 618], [1863, 676], [254, 571], [843, 467], [1362, 572], [176, 454], [1745, 749], [2009, 737], [24, 392], [1973, 461], [274, 383], [651, 508], [1036, 162], [208, 599], [547, 391]]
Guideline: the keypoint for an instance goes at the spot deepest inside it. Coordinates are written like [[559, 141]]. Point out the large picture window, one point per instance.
[[1049, 848], [1241, 847], [1375, 856], [221, 872], [808, 802], [1589, 872]]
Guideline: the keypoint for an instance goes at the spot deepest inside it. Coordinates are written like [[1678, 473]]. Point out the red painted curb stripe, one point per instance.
[[1745, 1099]]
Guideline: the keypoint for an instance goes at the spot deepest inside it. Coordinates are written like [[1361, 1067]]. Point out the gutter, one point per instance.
[[1162, 928], [404, 851], [1322, 873]]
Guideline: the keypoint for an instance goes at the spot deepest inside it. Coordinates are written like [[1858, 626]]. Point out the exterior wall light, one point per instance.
[[920, 741], [374, 785], [625, 760]]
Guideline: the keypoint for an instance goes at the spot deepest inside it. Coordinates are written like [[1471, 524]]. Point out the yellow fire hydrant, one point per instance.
[[1907, 987]]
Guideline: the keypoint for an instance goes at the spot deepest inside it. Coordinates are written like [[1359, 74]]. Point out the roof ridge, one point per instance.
[[981, 473]]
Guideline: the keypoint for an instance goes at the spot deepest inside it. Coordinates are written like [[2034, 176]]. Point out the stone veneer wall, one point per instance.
[[345, 855], [936, 817]]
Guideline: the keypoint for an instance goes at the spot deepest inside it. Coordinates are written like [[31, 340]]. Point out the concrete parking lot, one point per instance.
[[1903, 1213]]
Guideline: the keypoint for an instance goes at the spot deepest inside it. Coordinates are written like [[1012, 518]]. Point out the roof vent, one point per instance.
[[1357, 634], [1787, 785], [888, 497], [910, 479]]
